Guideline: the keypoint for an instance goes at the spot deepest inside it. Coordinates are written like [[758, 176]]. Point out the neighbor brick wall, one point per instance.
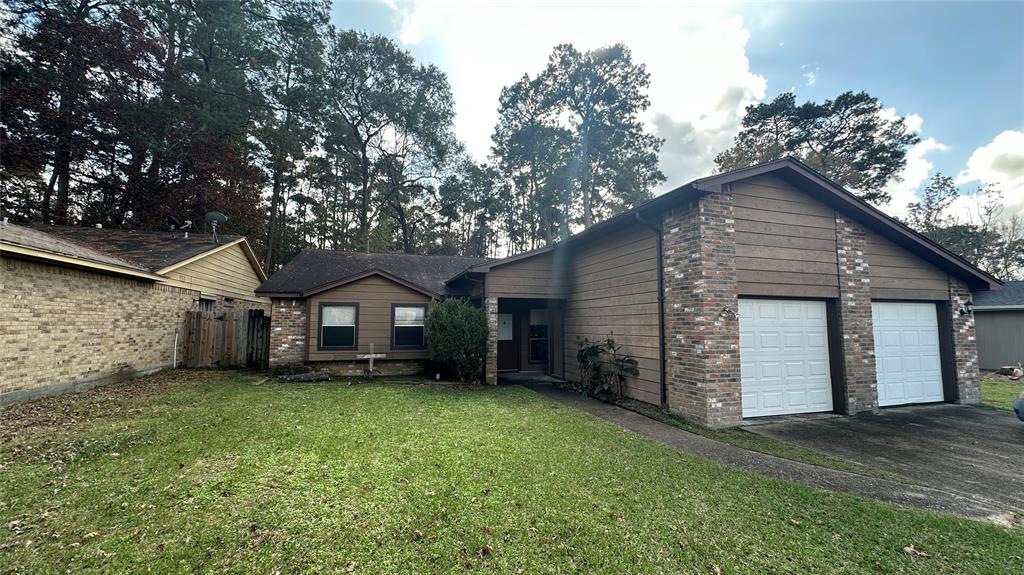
[[965, 345], [701, 337], [63, 329], [288, 318], [858, 340]]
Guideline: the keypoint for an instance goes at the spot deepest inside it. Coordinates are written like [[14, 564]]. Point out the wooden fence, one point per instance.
[[235, 338]]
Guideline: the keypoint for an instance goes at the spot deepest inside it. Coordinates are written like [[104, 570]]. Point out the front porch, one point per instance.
[[526, 338]]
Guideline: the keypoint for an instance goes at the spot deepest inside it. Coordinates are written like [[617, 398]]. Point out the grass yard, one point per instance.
[[1000, 392], [210, 472]]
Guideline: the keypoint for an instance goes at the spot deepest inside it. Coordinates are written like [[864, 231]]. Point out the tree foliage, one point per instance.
[[978, 233], [850, 139], [128, 112], [569, 144]]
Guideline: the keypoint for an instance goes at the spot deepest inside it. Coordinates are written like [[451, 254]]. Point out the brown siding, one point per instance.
[[526, 278], [785, 241], [226, 273], [375, 296], [614, 292], [898, 274]]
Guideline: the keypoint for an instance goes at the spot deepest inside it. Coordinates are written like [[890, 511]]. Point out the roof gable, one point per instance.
[[833, 194], [804, 177]]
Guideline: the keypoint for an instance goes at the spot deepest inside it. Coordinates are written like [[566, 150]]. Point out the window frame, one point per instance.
[[396, 347], [320, 327]]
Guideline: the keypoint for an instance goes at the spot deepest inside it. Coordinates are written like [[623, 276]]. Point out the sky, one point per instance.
[[954, 70]]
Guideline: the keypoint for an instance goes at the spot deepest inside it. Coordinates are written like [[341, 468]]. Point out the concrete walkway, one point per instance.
[[771, 466]]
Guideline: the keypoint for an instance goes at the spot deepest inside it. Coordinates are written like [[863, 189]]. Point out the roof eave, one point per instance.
[[72, 261]]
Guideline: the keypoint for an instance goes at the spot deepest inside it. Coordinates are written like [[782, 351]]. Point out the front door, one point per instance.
[[508, 349]]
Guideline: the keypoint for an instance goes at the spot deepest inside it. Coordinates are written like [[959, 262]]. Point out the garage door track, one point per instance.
[[973, 451]]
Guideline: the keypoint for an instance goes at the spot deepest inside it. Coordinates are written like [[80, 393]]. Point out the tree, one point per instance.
[[570, 145], [983, 237], [849, 139], [602, 92]]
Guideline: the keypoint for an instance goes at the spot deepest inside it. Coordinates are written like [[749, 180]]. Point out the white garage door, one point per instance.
[[907, 352], [784, 357]]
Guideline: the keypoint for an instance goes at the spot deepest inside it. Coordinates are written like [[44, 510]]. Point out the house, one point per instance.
[[764, 291], [999, 317], [86, 306], [330, 307], [225, 272]]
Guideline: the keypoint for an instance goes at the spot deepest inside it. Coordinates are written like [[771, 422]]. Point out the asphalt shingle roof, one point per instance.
[[151, 250], [314, 268], [42, 240], [1010, 294]]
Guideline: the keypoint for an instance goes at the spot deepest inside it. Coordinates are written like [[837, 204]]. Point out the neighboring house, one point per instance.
[[763, 291], [85, 306], [226, 273], [330, 307], [999, 316]]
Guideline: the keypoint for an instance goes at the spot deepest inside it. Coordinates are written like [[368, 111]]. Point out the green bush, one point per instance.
[[457, 336]]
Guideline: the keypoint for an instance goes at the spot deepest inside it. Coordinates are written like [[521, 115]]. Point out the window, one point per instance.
[[407, 331], [205, 304], [338, 324]]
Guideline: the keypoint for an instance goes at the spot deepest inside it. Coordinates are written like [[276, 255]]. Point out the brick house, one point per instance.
[[85, 306], [764, 291]]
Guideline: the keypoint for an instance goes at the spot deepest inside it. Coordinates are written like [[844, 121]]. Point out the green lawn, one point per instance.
[[219, 474], [1000, 392]]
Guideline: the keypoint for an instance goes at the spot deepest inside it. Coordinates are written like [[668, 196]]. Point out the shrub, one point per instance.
[[457, 336], [603, 367]]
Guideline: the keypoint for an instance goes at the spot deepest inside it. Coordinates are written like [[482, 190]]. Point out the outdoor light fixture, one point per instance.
[[728, 313], [967, 308]]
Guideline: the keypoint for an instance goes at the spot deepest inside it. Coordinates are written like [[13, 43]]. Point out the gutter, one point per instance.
[[661, 303]]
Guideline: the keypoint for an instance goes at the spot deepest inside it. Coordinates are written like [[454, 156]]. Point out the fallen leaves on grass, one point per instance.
[[914, 551]]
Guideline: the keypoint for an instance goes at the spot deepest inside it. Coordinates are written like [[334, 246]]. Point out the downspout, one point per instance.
[[661, 304]]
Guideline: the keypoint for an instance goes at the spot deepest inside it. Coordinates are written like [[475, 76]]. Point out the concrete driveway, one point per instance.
[[973, 451]]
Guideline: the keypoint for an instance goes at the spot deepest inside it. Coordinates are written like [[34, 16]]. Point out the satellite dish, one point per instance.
[[215, 219]]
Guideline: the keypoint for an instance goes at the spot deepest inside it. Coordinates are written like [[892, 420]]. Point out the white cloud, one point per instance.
[[1001, 163], [695, 53], [810, 78], [915, 174]]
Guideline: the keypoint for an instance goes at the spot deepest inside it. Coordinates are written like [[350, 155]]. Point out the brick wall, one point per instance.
[[287, 332], [701, 335], [858, 340], [384, 367], [491, 360], [64, 329], [965, 345]]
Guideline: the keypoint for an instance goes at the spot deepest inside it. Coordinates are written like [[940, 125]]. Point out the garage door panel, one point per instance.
[[784, 357], [907, 352]]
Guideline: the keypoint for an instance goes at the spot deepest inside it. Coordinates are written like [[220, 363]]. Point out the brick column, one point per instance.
[[858, 338], [701, 335], [287, 332], [965, 346], [491, 361]]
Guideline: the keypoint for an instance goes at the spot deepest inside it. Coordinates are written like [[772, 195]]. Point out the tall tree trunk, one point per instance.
[[275, 199]]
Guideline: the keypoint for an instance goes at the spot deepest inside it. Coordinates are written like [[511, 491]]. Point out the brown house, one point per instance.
[[764, 291], [85, 306]]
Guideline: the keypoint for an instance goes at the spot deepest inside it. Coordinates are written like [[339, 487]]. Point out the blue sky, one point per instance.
[[955, 69]]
